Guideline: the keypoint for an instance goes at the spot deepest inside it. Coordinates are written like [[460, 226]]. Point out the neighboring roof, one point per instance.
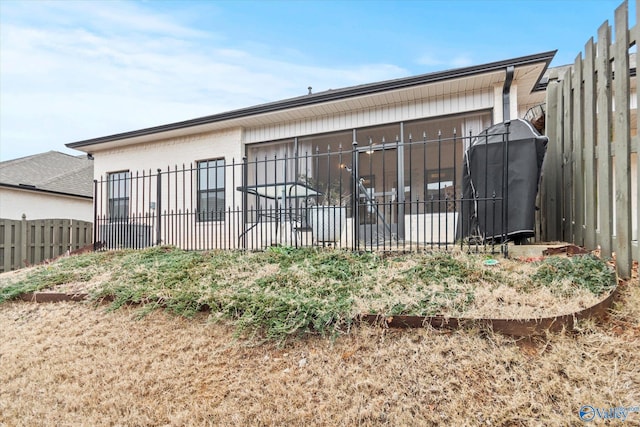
[[334, 95], [51, 172]]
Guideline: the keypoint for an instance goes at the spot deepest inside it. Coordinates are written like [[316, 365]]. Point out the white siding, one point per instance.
[[37, 205], [437, 105], [175, 151]]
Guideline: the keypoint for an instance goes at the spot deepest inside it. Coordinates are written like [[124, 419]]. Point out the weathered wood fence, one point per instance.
[[591, 184], [25, 242]]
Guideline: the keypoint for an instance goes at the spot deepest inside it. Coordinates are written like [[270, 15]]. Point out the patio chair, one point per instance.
[[300, 225]]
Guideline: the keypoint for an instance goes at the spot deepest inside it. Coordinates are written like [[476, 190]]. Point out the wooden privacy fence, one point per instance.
[[591, 184], [25, 242]]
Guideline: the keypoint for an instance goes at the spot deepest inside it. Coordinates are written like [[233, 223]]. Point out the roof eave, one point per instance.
[[327, 96], [42, 190]]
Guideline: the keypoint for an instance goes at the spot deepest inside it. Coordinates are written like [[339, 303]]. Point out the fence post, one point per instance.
[[23, 260], [245, 198], [159, 208], [355, 199], [95, 214], [400, 201], [505, 192]]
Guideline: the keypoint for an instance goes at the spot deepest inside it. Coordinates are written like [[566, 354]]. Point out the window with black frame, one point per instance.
[[439, 190], [211, 197], [118, 187]]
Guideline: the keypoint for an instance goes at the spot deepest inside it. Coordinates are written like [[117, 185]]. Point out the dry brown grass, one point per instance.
[[72, 364]]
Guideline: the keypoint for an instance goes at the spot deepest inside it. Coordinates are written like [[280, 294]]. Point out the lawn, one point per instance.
[[121, 364], [69, 364]]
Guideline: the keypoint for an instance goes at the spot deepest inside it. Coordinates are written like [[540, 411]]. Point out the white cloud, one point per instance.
[[443, 59], [462, 61], [430, 60], [71, 71]]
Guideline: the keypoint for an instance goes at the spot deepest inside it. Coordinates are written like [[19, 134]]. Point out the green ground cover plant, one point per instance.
[[284, 292]]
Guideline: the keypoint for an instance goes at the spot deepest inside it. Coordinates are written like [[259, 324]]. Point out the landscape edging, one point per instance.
[[513, 327]]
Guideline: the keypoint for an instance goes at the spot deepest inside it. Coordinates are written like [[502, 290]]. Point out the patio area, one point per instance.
[[301, 195]]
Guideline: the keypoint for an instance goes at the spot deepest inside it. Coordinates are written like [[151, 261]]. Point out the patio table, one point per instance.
[[282, 194]]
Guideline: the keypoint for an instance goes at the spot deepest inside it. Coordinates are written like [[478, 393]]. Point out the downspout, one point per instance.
[[506, 118], [506, 90]]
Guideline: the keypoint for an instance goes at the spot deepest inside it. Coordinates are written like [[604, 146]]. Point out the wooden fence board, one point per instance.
[[57, 238], [80, 234], [551, 179], [33, 241], [578, 143], [589, 126], [66, 237], [3, 245], [4, 259], [603, 71], [635, 35], [48, 229], [567, 158], [37, 239], [22, 243], [592, 119], [53, 226], [636, 39], [8, 229], [622, 142]]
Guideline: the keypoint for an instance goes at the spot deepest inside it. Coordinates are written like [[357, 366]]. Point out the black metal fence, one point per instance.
[[401, 195]]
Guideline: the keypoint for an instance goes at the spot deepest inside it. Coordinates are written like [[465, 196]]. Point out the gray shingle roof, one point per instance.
[[50, 171]]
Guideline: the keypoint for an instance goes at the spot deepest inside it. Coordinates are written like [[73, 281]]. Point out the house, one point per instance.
[[225, 180], [47, 185]]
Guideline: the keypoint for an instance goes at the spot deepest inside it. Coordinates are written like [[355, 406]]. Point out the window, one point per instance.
[[118, 187], [211, 203]]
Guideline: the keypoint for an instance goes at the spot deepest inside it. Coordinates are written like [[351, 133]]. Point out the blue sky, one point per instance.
[[73, 70]]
